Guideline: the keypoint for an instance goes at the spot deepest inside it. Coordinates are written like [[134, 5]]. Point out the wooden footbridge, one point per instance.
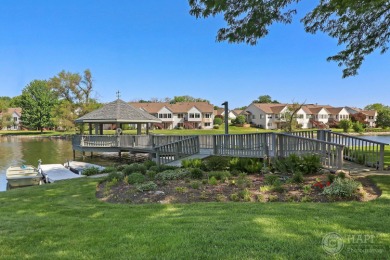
[[332, 147]]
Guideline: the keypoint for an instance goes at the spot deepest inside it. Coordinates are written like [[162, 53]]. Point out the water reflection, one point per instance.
[[18, 150]]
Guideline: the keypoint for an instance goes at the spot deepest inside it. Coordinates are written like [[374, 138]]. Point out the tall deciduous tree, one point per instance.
[[265, 99], [37, 103], [376, 106], [383, 118], [361, 26]]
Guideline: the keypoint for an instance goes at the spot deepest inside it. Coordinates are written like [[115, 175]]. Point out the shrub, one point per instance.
[[261, 198], [162, 168], [149, 163], [178, 174], [91, 171], [234, 197], [297, 177], [341, 175], [307, 189], [191, 163], [221, 198], [265, 188], [147, 186], [181, 190], [135, 167], [216, 126], [270, 179], [245, 165], [345, 125], [195, 185], [243, 181], [213, 181], [273, 198], [218, 121], [277, 187], [109, 169], [331, 177], [358, 127], [235, 172], [311, 163], [114, 175], [216, 163], [219, 175], [196, 173], [151, 174], [135, 177], [307, 164], [342, 188], [245, 195]]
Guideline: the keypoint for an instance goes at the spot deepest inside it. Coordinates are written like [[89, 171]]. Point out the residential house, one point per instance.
[[14, 114], [266, 115], [182, 114], [371, 115]]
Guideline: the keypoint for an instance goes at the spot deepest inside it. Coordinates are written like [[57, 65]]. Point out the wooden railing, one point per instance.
[[123, 141], [177, 150], [331, 154], [241, 145], [159, 140], [357, 149]]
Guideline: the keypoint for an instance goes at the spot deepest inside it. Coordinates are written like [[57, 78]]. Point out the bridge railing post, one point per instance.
[[381, 157]]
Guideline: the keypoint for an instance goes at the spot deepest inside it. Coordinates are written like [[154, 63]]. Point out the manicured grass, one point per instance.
[[64, 220]]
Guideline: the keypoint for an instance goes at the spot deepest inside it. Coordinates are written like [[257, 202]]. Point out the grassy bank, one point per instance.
[[64, 220]]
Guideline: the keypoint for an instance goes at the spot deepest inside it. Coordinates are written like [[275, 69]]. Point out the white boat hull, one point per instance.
[[23, 176]]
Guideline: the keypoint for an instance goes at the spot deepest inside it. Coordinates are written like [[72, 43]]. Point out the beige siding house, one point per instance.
[[193, 115], [14, 114]]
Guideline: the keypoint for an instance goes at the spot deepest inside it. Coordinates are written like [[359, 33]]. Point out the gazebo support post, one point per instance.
[[90, 128], [147, 128], [120, 154], [83, 155], [101, 129], [96, 129], [91, 155], [74, 155], [138, 128]]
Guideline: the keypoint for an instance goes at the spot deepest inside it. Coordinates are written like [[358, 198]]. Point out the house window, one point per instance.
[[192, 115], [164, 115], [269, 124], [253, 116], [370, 117], [197, 115], [207, 124], [15, 119], [181, 115], [276, 116], [269, 116], [207, 115], [300, 116], [261, 116]]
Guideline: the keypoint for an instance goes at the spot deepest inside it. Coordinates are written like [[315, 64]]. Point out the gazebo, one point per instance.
[[117, 112]]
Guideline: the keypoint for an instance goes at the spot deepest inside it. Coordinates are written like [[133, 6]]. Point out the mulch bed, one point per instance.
[[185, 191]]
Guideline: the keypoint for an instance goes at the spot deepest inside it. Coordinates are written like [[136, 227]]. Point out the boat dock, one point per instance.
[[57, 172]]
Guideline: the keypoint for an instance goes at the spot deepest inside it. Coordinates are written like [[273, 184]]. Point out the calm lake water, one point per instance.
[[18, 150]]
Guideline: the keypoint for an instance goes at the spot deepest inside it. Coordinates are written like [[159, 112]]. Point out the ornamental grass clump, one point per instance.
[[342, 188]]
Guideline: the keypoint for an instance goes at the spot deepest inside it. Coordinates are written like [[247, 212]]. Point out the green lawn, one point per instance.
[[64, 220]]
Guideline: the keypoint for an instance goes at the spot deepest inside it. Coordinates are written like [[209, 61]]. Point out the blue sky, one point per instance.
[[149, 49]]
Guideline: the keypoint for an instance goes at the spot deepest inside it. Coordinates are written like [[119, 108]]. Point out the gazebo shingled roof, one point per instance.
[[118, 111]]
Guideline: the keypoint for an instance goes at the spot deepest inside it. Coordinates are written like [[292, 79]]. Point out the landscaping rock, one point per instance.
[[159, 192]]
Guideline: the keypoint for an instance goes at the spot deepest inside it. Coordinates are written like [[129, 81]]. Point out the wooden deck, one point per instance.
[[332, 148]]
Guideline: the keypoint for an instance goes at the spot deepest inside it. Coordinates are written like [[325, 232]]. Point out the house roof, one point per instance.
[[118, 111], [180, 107], [237, 111], [11, 110], [270, 108], [369, 112], [334, 110], [219, 111]]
